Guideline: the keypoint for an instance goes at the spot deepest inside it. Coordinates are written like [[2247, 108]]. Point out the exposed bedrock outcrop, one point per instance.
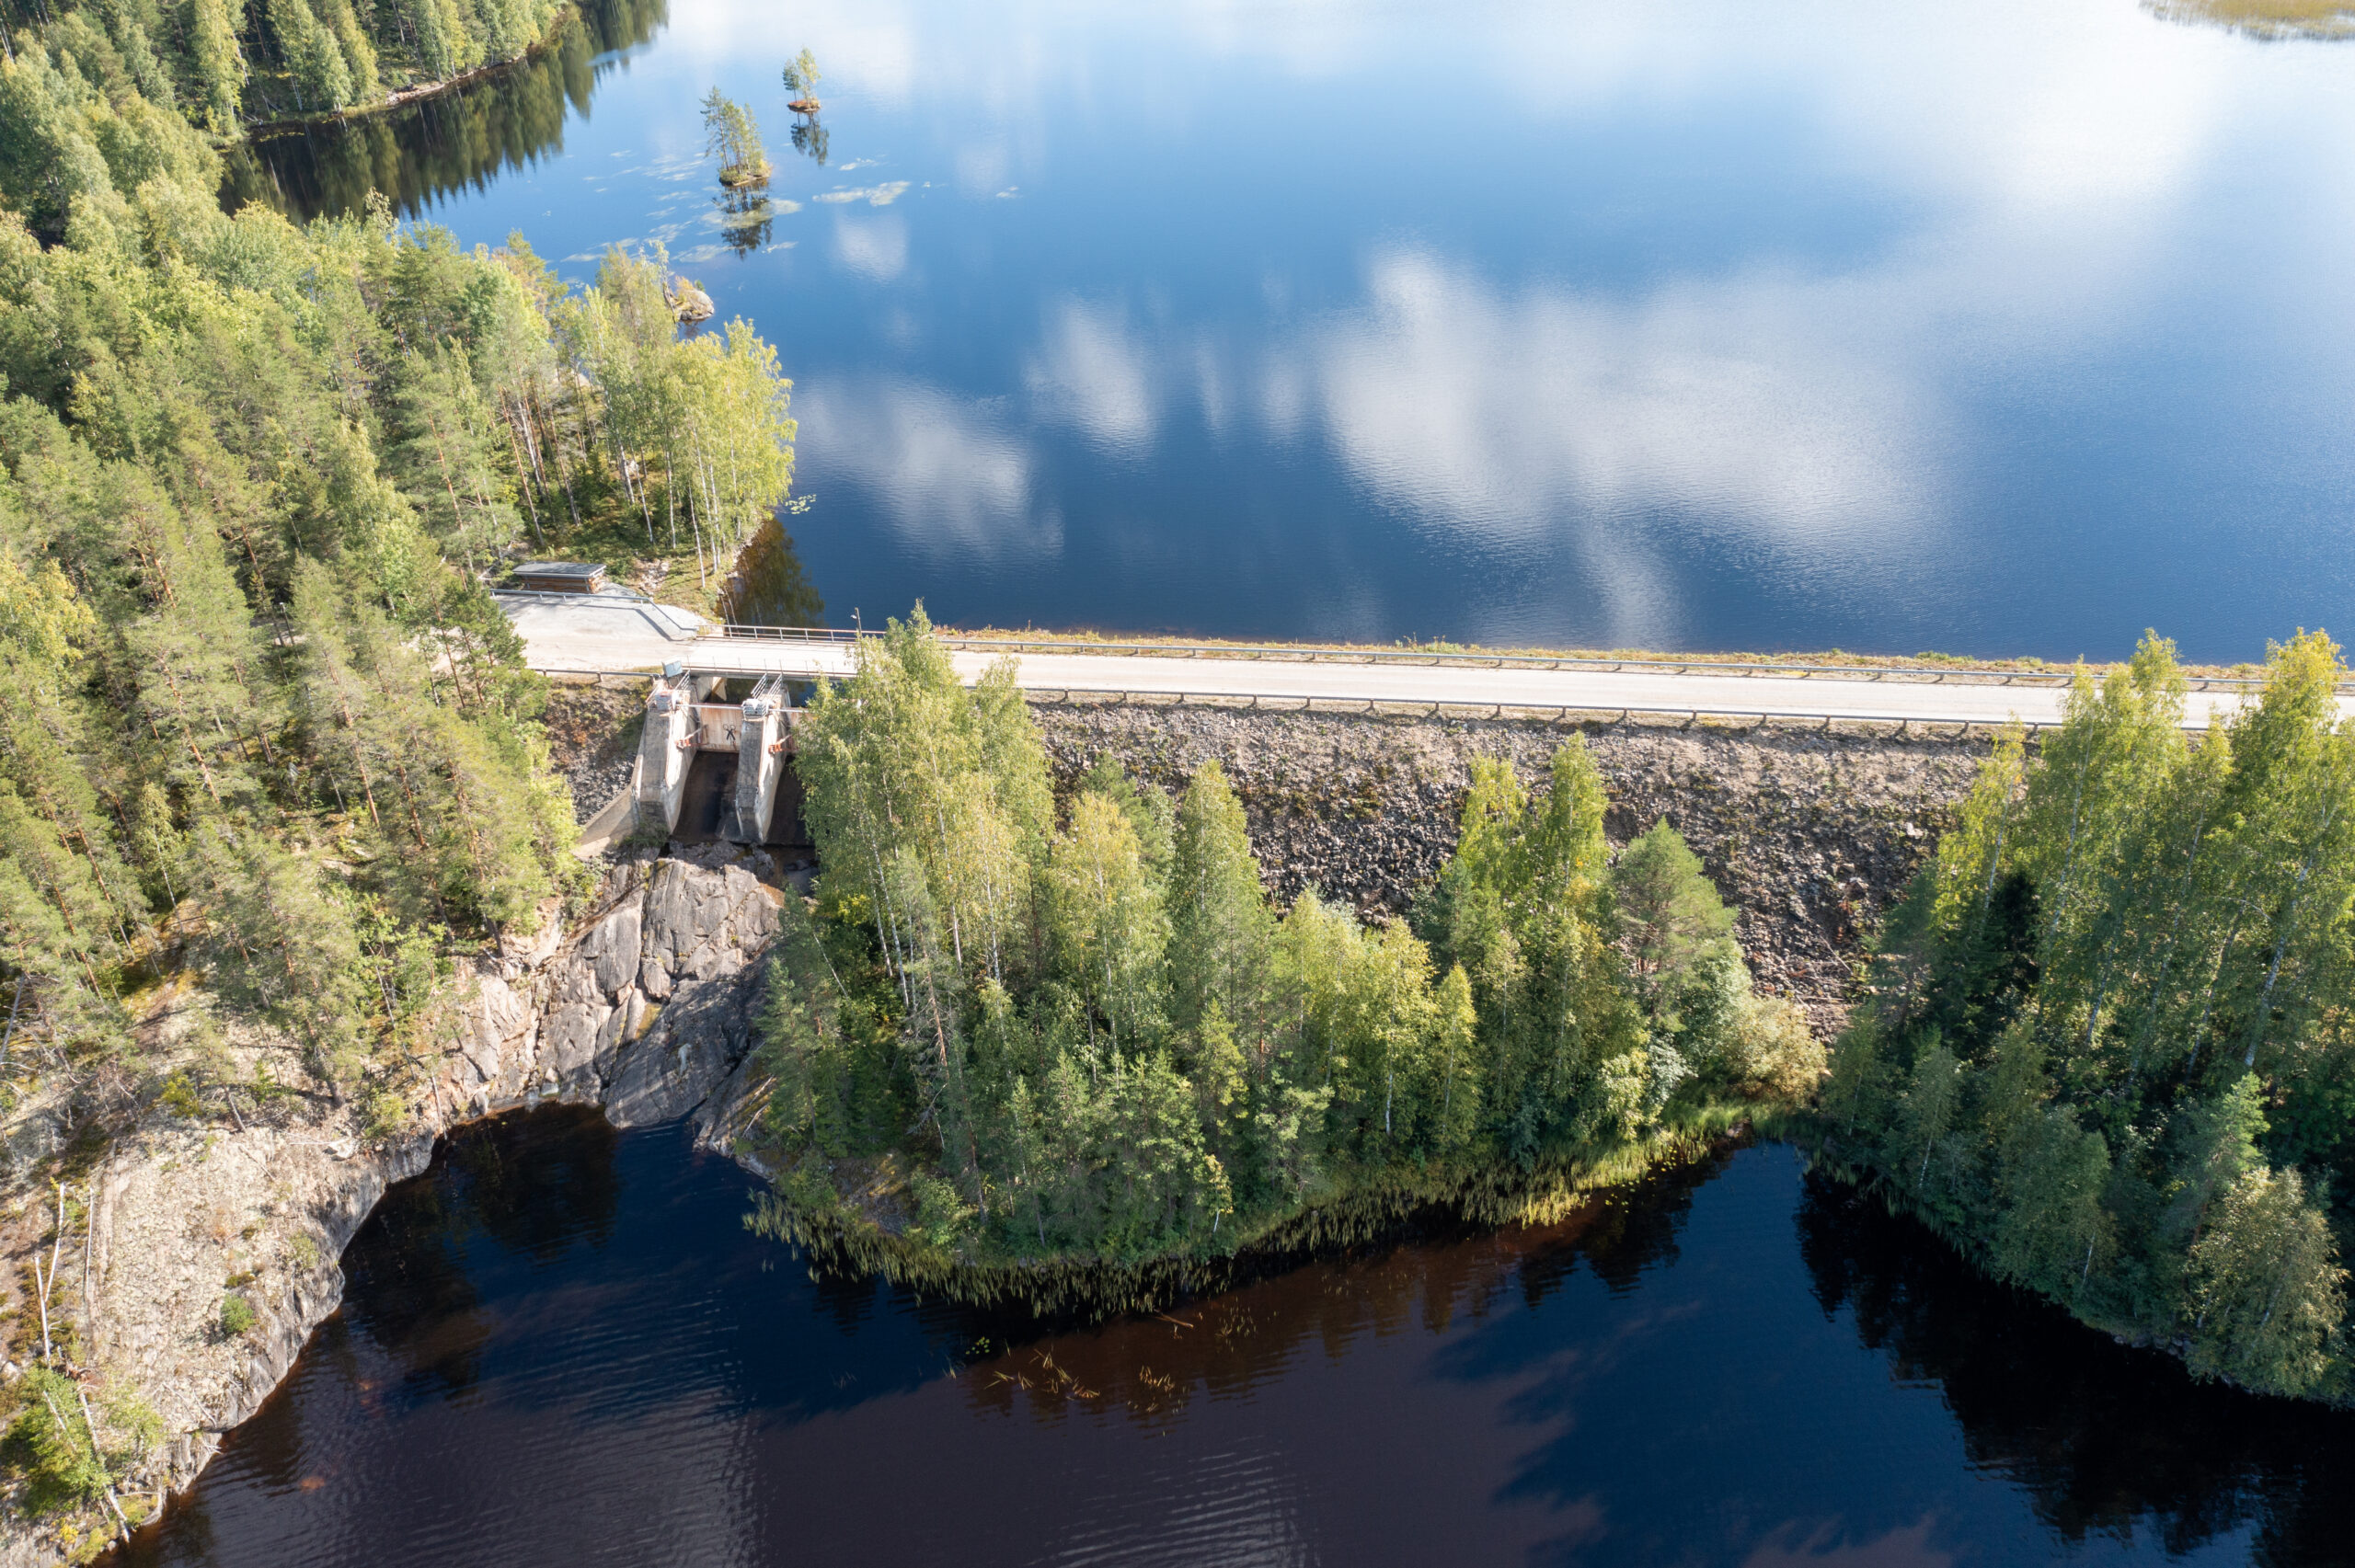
[[644, 1006]]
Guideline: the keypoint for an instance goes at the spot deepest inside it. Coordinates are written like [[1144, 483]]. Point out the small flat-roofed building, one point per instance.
[[560, 577]]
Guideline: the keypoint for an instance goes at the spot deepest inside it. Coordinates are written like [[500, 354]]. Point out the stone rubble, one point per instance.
[[1809, 832], [645, 1005]]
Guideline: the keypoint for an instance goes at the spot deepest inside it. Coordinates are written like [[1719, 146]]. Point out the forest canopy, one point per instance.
[[218, 65], [2108, 1047], [1086, 1032], [269, 760], [263, 722]]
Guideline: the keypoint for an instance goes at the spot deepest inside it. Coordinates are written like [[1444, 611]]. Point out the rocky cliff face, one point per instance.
[[643, 1008]]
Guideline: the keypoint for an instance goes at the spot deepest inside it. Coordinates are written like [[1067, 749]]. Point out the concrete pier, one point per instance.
[[764, 741]]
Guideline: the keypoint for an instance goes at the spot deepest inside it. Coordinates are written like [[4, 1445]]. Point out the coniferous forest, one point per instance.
[[444, 142], [223, 64], [2107, 1047], [1086, 1034], [263, 726]]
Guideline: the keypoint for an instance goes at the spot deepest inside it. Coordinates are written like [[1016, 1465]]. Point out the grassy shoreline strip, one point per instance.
[[1365, 1208]]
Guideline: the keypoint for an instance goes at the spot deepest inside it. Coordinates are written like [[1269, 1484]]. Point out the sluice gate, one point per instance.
[[712, 768]]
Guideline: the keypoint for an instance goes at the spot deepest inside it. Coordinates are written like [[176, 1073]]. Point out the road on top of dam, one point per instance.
[[610, 635]]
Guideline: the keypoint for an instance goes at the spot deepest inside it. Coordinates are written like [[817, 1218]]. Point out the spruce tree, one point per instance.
[[1221, 932], [216, 62], [322, 77]]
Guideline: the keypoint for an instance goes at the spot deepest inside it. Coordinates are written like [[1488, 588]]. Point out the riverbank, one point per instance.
[[642, 1006], [858, 1227]]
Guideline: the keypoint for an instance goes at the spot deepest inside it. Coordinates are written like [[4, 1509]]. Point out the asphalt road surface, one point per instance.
[[613, 635]]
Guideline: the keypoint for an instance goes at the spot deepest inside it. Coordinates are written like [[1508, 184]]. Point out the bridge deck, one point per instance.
[[616, 636]]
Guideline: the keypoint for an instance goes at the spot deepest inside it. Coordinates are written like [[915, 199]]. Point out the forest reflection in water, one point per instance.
[[768, 587], [465, 137], [561, 1346]]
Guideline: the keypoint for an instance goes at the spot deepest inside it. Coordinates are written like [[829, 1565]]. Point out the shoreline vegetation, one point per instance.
[[1015, 1045], [2105, 1047], [418, 92], [271, 768], [235, 68], [841, 1233], [2323, 19]]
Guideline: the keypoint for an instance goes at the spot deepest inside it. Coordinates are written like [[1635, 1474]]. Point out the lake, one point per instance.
[[1999, 328], [561, 1346], [2009, 327]]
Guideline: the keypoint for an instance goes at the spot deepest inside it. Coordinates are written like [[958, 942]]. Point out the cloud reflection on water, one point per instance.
[[1662, 329], [953, 477]]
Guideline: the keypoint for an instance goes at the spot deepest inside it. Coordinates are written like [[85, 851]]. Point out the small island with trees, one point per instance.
[[731, 136], [801, 80]]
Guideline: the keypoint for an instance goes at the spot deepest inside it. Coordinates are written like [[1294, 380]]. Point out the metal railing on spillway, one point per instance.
[[608, 595]]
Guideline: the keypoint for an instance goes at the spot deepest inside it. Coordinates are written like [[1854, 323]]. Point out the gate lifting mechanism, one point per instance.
[[679, 722]]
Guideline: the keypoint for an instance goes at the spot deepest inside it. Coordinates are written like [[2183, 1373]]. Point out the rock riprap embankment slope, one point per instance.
[[644, 1005], [1810, 831]]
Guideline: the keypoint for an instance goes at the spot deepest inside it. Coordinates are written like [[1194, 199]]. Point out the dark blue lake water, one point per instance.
[[1986, 325], [560, 1346]]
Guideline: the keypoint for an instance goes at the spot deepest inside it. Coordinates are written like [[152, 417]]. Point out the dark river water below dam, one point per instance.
[[2008, 326], [561, 1346]]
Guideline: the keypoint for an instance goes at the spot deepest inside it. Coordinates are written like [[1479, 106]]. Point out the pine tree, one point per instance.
[[285, 940], [323, 78], [359, 55], [451, 459], [444, 46], [1671, 918]]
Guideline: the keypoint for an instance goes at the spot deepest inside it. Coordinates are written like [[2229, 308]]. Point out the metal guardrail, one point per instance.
[[1296, 702], [837, 636], [795, 634], [1291, 703], [1314, 654], [603, 596]]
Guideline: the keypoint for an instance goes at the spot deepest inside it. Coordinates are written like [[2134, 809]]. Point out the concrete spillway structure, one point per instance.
[[764, 741], [667, 749], [754, 739]]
